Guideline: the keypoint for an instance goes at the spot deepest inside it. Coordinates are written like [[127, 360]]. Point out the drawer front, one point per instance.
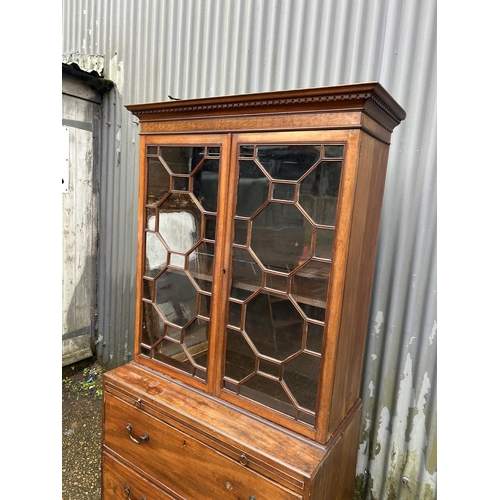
[[119, 482], [179, 461]]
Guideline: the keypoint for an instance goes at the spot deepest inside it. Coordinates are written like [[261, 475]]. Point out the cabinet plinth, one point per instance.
[[258, 224]]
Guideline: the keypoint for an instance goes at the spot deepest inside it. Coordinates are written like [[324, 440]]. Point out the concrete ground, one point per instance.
[[81, 431]]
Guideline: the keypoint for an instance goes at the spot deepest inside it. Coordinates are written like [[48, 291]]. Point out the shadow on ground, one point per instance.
[[81, 430]]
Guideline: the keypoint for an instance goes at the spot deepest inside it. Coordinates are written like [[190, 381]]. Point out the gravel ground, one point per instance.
[[81, 431]]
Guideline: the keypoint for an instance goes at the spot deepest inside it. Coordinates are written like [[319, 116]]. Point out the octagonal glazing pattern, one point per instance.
[[181, 210], [282, 258]]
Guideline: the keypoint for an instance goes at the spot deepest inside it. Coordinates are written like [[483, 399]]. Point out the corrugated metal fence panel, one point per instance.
[[197, 48]]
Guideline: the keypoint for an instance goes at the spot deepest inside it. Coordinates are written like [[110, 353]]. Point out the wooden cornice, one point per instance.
[[371, 98]]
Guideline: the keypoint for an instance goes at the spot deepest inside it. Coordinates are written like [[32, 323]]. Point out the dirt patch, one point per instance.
[[81, 430]]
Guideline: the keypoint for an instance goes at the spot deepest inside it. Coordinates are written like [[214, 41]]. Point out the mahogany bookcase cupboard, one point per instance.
[[258, 224]]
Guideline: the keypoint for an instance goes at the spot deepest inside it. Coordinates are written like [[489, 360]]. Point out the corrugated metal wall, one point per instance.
[[198, 48]]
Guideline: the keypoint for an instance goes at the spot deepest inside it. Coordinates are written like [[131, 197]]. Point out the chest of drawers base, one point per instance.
[[154, 449]]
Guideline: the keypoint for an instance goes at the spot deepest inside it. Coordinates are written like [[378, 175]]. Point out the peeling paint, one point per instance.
[[371, 386], [432, 336], [379, 319], [116, 73], [396, 465]]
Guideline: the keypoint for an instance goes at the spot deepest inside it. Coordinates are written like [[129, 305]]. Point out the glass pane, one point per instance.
[[206, 184], [176, 297], [279, 235], [196, 341], [210, 221], [204, 305], [201, 262], [235, 314], [288, 162], [310, 283], [180, 183], [301, 377], [272, 369], [173, 354], [276, 282], [247, 275], [314, 337], [319, 191], [246, 151], [214, 151], [240, 232], [324, 243], [156, 253], [284, 192], [182, 160], [240, 359], [334, 151], [274, 326], [253, 189], [269, 392], [152, 325], [158, 181], [180, 229]]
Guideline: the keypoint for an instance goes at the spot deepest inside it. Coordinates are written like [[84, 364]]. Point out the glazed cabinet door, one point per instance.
[[287, 194], [179, 234]]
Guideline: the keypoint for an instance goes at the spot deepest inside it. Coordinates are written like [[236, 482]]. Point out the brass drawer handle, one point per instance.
[[142, 438], [127, 491], [243, 459]]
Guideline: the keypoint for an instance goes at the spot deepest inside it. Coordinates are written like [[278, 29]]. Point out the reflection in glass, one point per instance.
[[234, 314], [301, 376], [205, 302], [314, 337], [196, 341], [181, 160], [180, 183], [324, 243], [284, 192], [158, 181], [269, 392], [240, 232], [173, 354], [278, 236], [247, 275], [272, 369], [246, 151], [319, 192], [276, 282], [156, 253], [180, 229], [210, 221], [152, 325], [175, 297], [253, 189], [201, 262], [206, 184], [240, 359], [274, 325], [334, 151], [310, 283], [287, 162]]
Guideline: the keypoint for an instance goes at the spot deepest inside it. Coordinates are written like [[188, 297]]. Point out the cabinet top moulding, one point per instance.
[[370, 99]]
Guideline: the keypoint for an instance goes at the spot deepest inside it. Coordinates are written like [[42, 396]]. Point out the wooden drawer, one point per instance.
[[121, 482], [178, 460]]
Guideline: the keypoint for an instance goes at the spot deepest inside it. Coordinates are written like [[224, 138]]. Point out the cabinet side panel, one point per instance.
[[335, 478], [359, 275]]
